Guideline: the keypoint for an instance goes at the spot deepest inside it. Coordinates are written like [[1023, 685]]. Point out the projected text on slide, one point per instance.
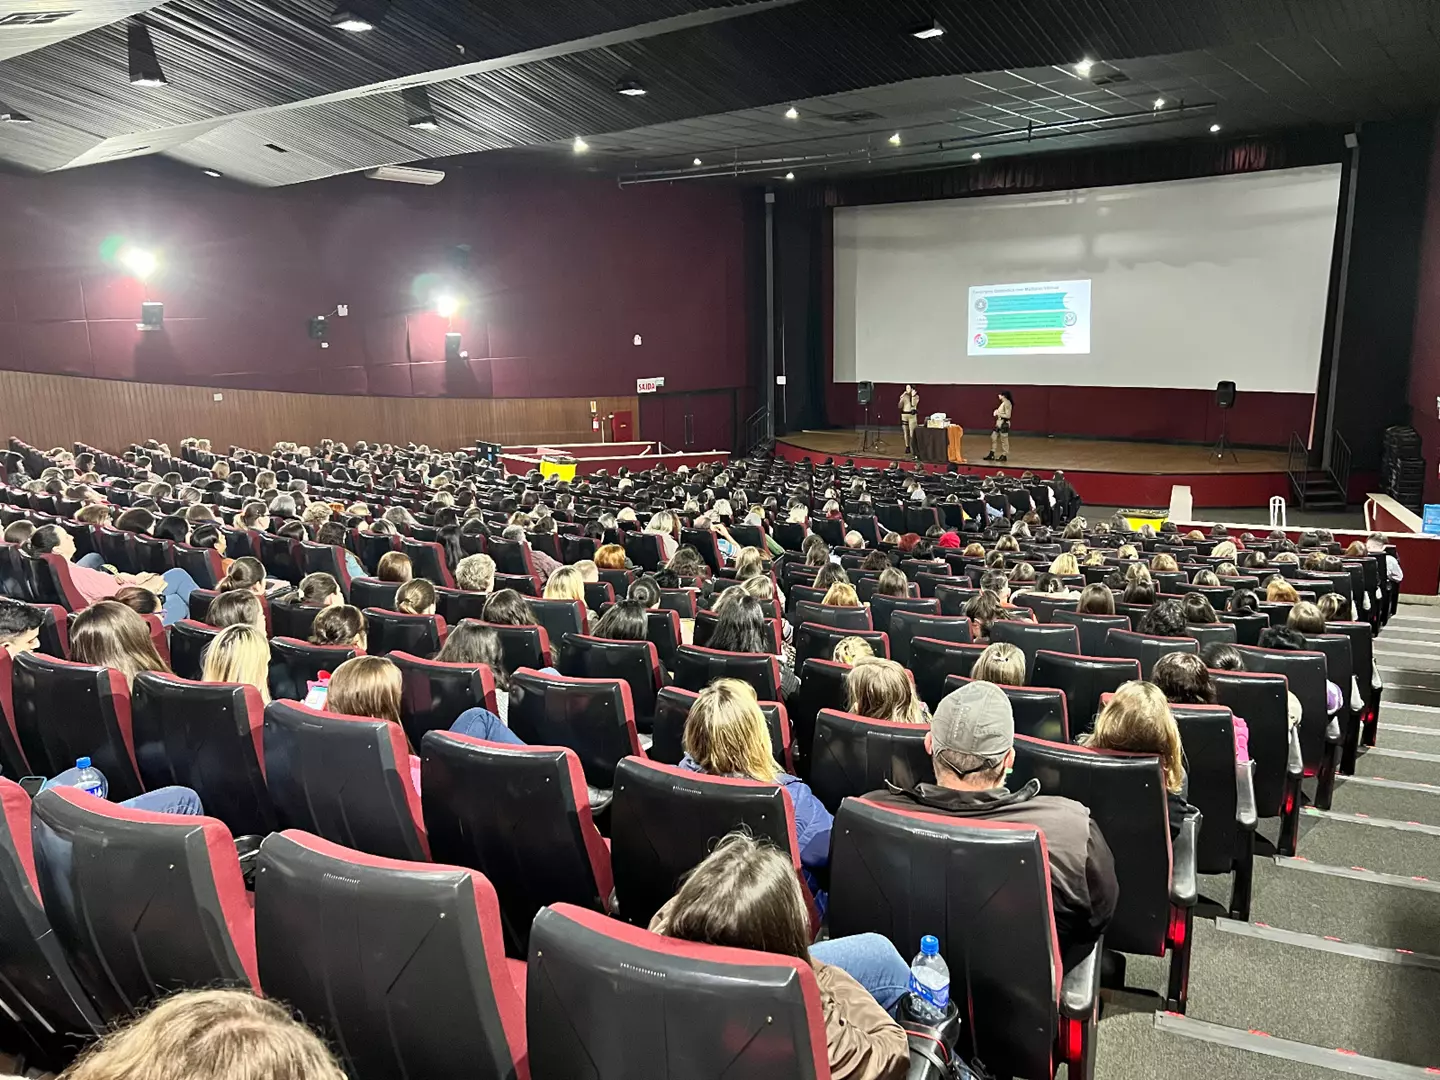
[[1030, 317]]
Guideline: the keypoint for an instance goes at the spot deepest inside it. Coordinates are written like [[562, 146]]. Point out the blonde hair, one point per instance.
[[1164, 561], [842, 594], [1126, 551], [239, 654], [210, 1035], [1065, 565], [749, 562], [475, 573], [1224, 550], [726, 733], [851, 650], [1281, 591], [366, 686], [1001, 663], [566, 583], [882, 689], [1138, 718]]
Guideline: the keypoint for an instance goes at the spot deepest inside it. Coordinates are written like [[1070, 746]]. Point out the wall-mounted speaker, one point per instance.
[[152, 315], [1225, 395], [865, 392], [452, 347], [318, 328]]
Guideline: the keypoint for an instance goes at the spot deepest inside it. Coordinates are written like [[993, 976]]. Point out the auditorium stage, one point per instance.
[[1104, 473]]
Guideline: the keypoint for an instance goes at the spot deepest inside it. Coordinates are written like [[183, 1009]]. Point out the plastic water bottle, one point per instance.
[[929, 982], [91, 780]]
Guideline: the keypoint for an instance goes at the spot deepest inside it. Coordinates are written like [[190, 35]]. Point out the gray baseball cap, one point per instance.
[[976, 719]]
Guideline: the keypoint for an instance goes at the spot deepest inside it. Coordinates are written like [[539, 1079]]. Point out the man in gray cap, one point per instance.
[[972, 746]]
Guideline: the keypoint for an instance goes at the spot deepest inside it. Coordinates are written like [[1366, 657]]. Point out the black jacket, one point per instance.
[[1082, 870]]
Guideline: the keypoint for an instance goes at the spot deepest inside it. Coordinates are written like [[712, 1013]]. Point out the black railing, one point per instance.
[[757, 430], [1297, 467], [1339, 465]]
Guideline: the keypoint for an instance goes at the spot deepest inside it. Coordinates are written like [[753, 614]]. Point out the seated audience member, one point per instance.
[[334, 534], [172, 527], [851, 650], [590, 572], [172, 587], [829, 574], [624, 621], [882, 689], [1243, 602], [19, 532], [317, 590], [983, 611], [472, 642], [1139, 592], [1164, 563], [745, 896], [241, 608], [1307, 618], [1184, 679], [142, 601], [1001, 663], [646, 590], [1096, 599], [726, 735], [207, 534], [415, 597], [544, 564], [666, 529], [611, 557], [1207, 577], [1291, 640], [854, 541], [1281, 591], [475, 573], [1065, 565], [1197, 609], [892, 582], [565, 583], [209, 1035], [1165, 619], [114, 636], [508, 608], [239, 654], [19, 626], [997, 582], [972, 747], [340, 624], [1334, 607], [1137, 718], [247, 574], [816, 552], [874, 560], [841, 594], [742, 627], [394, 566], [1377, 543]]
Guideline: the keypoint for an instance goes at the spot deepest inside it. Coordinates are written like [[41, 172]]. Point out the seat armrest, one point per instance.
[[1295, 766], [1245, 814], [1081, 986], [1332, 732], [1183, 886]]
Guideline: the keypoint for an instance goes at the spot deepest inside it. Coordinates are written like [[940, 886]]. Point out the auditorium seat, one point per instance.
[[523, 646], [12, 757], [842, 618], [345, 778], [419, 987], [1046, 606], [988, 901], [1340, 670], [521, 816], [853, 755], [706, 621], [65, 711], [1092, 628], [394, 631], [199, 604], [1260, 700], [325, 559], [204, 736], [1247, 627], [953, 598], [1320, 735], [1222, 790], [672, 709], [663, 630], [295, 664], [643, 549], [635, 662], [1207, 634], [757, 1015], [281, 557], [932, 659], [435, 693], [143, 904], [1084, 680], [598, 594], [50, 582], [154, 556], [593, 717], [512, 557], [1145, 649], [1039, 710], [188, 641], [1362, 656], [684, 602], [814, 641], [696, 667], [367, 592], [560, 617], [905, 626], [202, 564], [427, 560], [1030, 638], [293, 620], [1125, 794], [665, 820], [882, 608]]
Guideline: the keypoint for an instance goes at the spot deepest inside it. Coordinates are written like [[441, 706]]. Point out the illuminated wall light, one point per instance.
[[698, 162], [976, 156], [789, 176], [446, 305], [895, 139], [580, 146], [140, 51], [1214, 129], [213, 172], [1159, 103], [13, 116], [139, 262], [1084, 67], [792, 113], [928, 31]]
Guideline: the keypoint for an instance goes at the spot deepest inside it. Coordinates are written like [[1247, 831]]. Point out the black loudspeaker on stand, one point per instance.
[[864, 394], [1224, 401]]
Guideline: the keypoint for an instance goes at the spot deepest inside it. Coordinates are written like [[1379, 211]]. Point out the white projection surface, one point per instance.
[[1177, 284]]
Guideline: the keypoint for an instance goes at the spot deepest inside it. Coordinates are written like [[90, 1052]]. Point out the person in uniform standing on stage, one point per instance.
[[1000, 436], [909, 410]]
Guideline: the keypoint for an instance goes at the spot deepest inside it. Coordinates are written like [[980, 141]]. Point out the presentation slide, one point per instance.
[[1174, 284], [1031, 317]]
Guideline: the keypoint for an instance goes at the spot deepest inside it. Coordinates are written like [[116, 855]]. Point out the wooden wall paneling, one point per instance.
[[57, 410]]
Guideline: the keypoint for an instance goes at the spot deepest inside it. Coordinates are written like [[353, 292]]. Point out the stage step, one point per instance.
[[1319, 492]]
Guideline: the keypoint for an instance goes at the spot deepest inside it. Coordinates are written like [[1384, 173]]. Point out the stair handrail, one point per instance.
[[1297, 466], [1338, 467]]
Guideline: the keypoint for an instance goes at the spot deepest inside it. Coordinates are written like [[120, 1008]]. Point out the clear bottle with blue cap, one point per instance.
[[929, 982], [90, 779]]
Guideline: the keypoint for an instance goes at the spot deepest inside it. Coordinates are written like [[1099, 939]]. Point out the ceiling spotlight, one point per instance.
[[144, 64], [211, 172], [1214, 129], [1159, 103], [792, 113], [580, 146], [139, 262], [895, 139], [975, 156], [358, 16], [419, 113], [1083, 68], [13, 116], [446, 305], [926, 31], [698, 162], [630, 88], [789, 176]]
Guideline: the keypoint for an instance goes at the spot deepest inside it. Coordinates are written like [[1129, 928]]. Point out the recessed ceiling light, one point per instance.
[[927, 30], [1083, 68], [698, 161], [13, 116], [359, 16], [1214, 128], [895, 139], [580, 145], [792, 113], [419, 113], [144, 64], [975, 156], [630, 88], [1159, 103], [789, 176], [212, 172]]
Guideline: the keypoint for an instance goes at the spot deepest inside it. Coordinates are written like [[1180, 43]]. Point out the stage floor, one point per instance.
[[1041, 453], [1134, 474]]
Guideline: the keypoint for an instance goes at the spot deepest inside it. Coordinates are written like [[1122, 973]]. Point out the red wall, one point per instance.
[[563, 272], [1425, 351]]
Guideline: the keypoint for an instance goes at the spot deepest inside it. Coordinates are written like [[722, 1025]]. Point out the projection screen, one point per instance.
[[1177, 284]]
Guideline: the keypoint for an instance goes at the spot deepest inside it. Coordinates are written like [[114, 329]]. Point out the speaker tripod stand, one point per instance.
[[1222, 444], [869, 437]]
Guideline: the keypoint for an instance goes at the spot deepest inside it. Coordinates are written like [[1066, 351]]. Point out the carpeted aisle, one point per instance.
[[1338, 973]]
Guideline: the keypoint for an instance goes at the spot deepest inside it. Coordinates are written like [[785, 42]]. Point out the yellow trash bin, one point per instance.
[[1153, 518], [558, 466]]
